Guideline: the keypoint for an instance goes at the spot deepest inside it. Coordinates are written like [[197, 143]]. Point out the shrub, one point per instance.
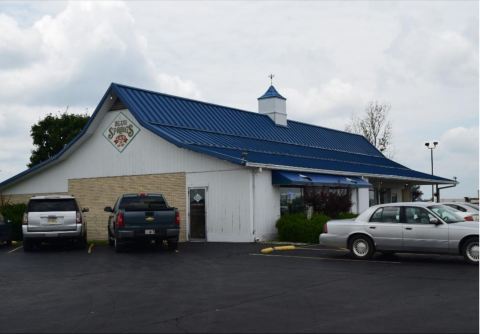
[[296, 228], [14, 213], [346, 215]]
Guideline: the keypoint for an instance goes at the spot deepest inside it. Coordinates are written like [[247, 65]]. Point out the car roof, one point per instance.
[[418, 204], [52, 197]]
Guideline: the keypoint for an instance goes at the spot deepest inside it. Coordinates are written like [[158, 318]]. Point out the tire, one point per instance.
[[111, 242], [118, 245], [361, 247], [470, 250], [27, 245], [82, 242], [172, 245], [8, 243]]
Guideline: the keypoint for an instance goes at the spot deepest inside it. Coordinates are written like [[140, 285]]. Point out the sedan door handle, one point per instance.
[[408, 228], [372, 227]]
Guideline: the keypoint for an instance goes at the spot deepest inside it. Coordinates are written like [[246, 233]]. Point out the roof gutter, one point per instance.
[[335, 172]]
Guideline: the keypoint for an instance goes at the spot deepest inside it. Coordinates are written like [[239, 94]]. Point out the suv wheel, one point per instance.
[[361, 247], [470, 250]]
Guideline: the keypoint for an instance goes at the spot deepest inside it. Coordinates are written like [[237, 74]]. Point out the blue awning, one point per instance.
[[284, 178]]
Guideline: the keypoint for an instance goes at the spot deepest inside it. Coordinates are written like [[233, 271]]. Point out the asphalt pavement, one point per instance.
[[226, 287]]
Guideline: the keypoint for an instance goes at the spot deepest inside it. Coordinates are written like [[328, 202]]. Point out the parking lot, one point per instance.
[[221, 287]]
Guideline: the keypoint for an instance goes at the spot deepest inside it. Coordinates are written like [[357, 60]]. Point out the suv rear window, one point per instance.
[[147, 203], [56, 204]]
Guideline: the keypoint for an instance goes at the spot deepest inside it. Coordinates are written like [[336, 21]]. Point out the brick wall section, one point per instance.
[[97, 193]]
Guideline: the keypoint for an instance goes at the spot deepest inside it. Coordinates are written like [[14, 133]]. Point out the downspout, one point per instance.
[[440, 188], [253, 205]]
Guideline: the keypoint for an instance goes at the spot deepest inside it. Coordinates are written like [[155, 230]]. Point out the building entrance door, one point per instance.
[[197, 213]]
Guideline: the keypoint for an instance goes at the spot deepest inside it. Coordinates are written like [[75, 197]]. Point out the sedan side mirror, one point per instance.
[[85, 210], [435, 221], [108, 209]]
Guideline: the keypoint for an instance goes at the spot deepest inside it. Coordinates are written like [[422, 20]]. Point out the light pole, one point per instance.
[[431, 145]]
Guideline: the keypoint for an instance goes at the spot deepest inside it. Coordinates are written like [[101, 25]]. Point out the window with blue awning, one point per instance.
[[286, 178]]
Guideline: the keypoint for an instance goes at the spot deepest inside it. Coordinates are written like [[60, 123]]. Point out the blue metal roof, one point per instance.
[[271, 92], [283, 178], [249, 138]]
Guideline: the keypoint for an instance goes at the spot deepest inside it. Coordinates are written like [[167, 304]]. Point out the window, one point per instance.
[[291, 200], [447, 214], [48, 204], [457, 207], [416, 215], [143, 203], [388, 214]]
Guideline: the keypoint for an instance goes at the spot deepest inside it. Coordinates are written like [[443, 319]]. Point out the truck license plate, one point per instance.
[[52, 220], [149, 231]]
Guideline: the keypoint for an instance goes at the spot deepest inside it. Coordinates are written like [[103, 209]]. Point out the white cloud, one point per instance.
[[331, 104], [70, 58]]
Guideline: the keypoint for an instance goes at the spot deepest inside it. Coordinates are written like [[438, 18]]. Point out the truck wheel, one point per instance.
[[119, 246], [361, 247], [470, 250], [111, 242], [27, 245], [172, 245]]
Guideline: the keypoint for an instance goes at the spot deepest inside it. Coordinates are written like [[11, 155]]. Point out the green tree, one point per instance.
[[52, 133]]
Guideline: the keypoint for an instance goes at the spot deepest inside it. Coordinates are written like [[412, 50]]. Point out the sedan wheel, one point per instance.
[[361, 247], [470, 251]]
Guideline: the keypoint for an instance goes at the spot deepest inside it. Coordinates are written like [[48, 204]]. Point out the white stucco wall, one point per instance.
[[266, 204], [228, 206], [96, 157]]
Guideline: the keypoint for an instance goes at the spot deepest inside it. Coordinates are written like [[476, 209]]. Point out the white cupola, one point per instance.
[[274, 105]]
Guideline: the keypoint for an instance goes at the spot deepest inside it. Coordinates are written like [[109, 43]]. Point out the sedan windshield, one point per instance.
[[447, 214]]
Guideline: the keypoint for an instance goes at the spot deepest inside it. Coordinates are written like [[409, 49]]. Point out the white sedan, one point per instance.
[[414, 227]]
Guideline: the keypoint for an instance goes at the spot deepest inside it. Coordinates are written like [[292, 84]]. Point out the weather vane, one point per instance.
[[271, 76]]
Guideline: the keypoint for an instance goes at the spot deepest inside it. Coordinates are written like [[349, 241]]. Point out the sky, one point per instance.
[[329, 58]]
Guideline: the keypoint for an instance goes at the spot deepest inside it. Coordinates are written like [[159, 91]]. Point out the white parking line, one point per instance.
[[325, 258], [15, 249]]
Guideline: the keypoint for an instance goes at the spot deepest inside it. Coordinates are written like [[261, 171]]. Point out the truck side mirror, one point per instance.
[[108, 209], [434, 221]]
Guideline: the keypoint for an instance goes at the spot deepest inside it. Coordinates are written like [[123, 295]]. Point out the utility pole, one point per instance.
[[431, 146]]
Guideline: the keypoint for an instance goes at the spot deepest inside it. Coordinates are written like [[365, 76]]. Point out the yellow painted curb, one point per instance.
[[267, 250], [277, 248]]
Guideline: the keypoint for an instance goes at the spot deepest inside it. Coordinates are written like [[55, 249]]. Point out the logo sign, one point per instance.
[[197, 197], [121, 132]]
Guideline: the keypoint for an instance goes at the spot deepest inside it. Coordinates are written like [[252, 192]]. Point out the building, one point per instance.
[[225, 169]]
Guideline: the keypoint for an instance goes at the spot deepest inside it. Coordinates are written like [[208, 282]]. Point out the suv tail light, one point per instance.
[[325, 228], [25, 219], [120, 220], [468, 218], [79, 217], [177, 218]]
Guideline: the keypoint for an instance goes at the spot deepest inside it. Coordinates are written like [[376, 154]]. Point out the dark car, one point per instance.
[[142, 217], [5, 231]]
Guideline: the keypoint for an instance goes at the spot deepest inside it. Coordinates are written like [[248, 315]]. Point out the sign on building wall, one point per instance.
[[121, 132]]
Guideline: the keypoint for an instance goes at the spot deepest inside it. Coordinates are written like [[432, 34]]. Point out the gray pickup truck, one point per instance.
[[142, 217]]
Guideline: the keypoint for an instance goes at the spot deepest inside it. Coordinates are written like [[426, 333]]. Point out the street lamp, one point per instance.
[[431, 145]]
